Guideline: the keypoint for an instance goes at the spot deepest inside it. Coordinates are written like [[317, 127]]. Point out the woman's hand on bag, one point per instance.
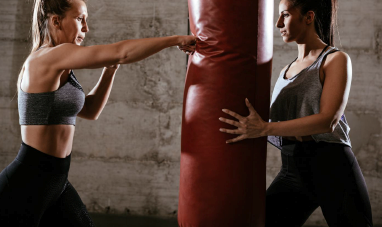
[[188, 44], [248, 127]]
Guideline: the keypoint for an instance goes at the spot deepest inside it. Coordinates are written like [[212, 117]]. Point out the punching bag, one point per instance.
[[223, 185]]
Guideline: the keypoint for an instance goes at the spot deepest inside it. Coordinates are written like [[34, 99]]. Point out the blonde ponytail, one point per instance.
[[42, 10]]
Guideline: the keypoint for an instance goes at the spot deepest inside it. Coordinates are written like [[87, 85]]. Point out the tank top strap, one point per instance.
[[328, 50], [318, 58], [323, 51], [287, 69]]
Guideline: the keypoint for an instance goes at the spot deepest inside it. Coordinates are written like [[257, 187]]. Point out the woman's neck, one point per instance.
[[312, 46]]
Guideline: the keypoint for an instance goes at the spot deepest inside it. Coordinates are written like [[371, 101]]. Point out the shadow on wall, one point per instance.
[[20, 50], [365, 131], [362, 128]]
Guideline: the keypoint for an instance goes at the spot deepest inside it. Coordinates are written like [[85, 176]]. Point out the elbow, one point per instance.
[[94, 117], [123, 56], [89, 116], [328, 123], [330, 127]]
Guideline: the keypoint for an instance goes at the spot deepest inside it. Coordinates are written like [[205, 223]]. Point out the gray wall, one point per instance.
[[128, 160]]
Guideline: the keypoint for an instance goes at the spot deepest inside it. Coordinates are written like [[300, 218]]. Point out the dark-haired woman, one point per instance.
[[34, 190], [307, 123]]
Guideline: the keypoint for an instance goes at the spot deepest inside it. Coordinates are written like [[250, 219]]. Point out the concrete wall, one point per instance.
[[128, 160]]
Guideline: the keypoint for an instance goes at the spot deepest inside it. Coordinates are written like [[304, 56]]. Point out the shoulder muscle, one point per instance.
[[70, 56], [337, 59]]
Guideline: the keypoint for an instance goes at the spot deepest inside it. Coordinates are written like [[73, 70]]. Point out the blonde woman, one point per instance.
[[34, 189]]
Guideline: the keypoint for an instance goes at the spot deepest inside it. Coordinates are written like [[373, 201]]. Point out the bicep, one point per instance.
[[70, 56], [336, 87]]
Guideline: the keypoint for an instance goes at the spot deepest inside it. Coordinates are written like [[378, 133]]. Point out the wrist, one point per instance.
[[109, 71], [177, 39], [267, 129], [112, 67]]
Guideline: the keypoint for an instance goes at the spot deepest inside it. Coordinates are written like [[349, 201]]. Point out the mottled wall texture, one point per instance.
[[127, 162]]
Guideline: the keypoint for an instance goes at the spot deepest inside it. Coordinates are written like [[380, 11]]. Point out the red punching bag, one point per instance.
[[223, 185]]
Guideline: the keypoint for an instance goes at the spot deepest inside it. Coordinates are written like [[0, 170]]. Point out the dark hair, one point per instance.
[[42, 11], [325, 16]]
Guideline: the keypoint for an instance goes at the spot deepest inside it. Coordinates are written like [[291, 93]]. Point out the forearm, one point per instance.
[[138, 49], [97, 98], [310, 125]]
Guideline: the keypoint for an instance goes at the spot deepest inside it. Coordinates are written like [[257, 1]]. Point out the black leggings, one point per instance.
[[35, 191], [313, 175]]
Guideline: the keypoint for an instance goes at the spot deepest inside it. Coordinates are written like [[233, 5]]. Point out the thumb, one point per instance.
[[250, 107]]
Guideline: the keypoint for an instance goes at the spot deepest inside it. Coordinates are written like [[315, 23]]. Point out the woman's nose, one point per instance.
[[279, 23], [85, 28]]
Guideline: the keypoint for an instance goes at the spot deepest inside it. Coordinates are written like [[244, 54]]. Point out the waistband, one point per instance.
[[49, 164], [286, 142], [308, 147], [289, 146]]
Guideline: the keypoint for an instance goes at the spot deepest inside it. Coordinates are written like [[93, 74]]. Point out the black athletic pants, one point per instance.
[[313, 175], [35, 191]]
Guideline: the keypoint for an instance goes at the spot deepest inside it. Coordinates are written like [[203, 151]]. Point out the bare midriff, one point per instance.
[[54, 140]]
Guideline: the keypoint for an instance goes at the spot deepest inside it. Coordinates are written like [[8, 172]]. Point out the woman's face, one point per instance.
[[290, 22], [74, 25]]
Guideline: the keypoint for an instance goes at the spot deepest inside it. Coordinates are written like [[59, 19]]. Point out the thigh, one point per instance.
[[6, 204], [21, 196], [341, 189], [287, 206], [69, 210], [29, 185], [3, 182]]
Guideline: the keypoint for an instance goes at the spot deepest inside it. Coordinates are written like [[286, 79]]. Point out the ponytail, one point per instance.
[[37, 25], [42, 10]]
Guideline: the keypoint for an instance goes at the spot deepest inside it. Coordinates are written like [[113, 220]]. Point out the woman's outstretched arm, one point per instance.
[[71, 56]]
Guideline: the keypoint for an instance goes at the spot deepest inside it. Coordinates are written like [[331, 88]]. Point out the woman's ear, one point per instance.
[[56, 22], [310, 15]]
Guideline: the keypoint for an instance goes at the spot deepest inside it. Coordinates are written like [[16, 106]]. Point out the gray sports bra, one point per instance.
[[58, 107]]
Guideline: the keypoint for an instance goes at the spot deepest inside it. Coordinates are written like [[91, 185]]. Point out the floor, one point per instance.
[[109, 220]]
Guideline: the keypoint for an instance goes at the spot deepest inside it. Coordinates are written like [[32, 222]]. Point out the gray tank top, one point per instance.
[[58, 107], [299, 97]]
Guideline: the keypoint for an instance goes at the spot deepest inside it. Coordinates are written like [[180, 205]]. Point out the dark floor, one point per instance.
[[110, 220]]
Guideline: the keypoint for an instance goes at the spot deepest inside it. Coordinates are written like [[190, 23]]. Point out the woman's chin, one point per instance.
[[78, 42], [286, 40]]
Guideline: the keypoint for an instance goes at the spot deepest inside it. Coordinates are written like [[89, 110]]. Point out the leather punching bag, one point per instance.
[[223, 185]]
